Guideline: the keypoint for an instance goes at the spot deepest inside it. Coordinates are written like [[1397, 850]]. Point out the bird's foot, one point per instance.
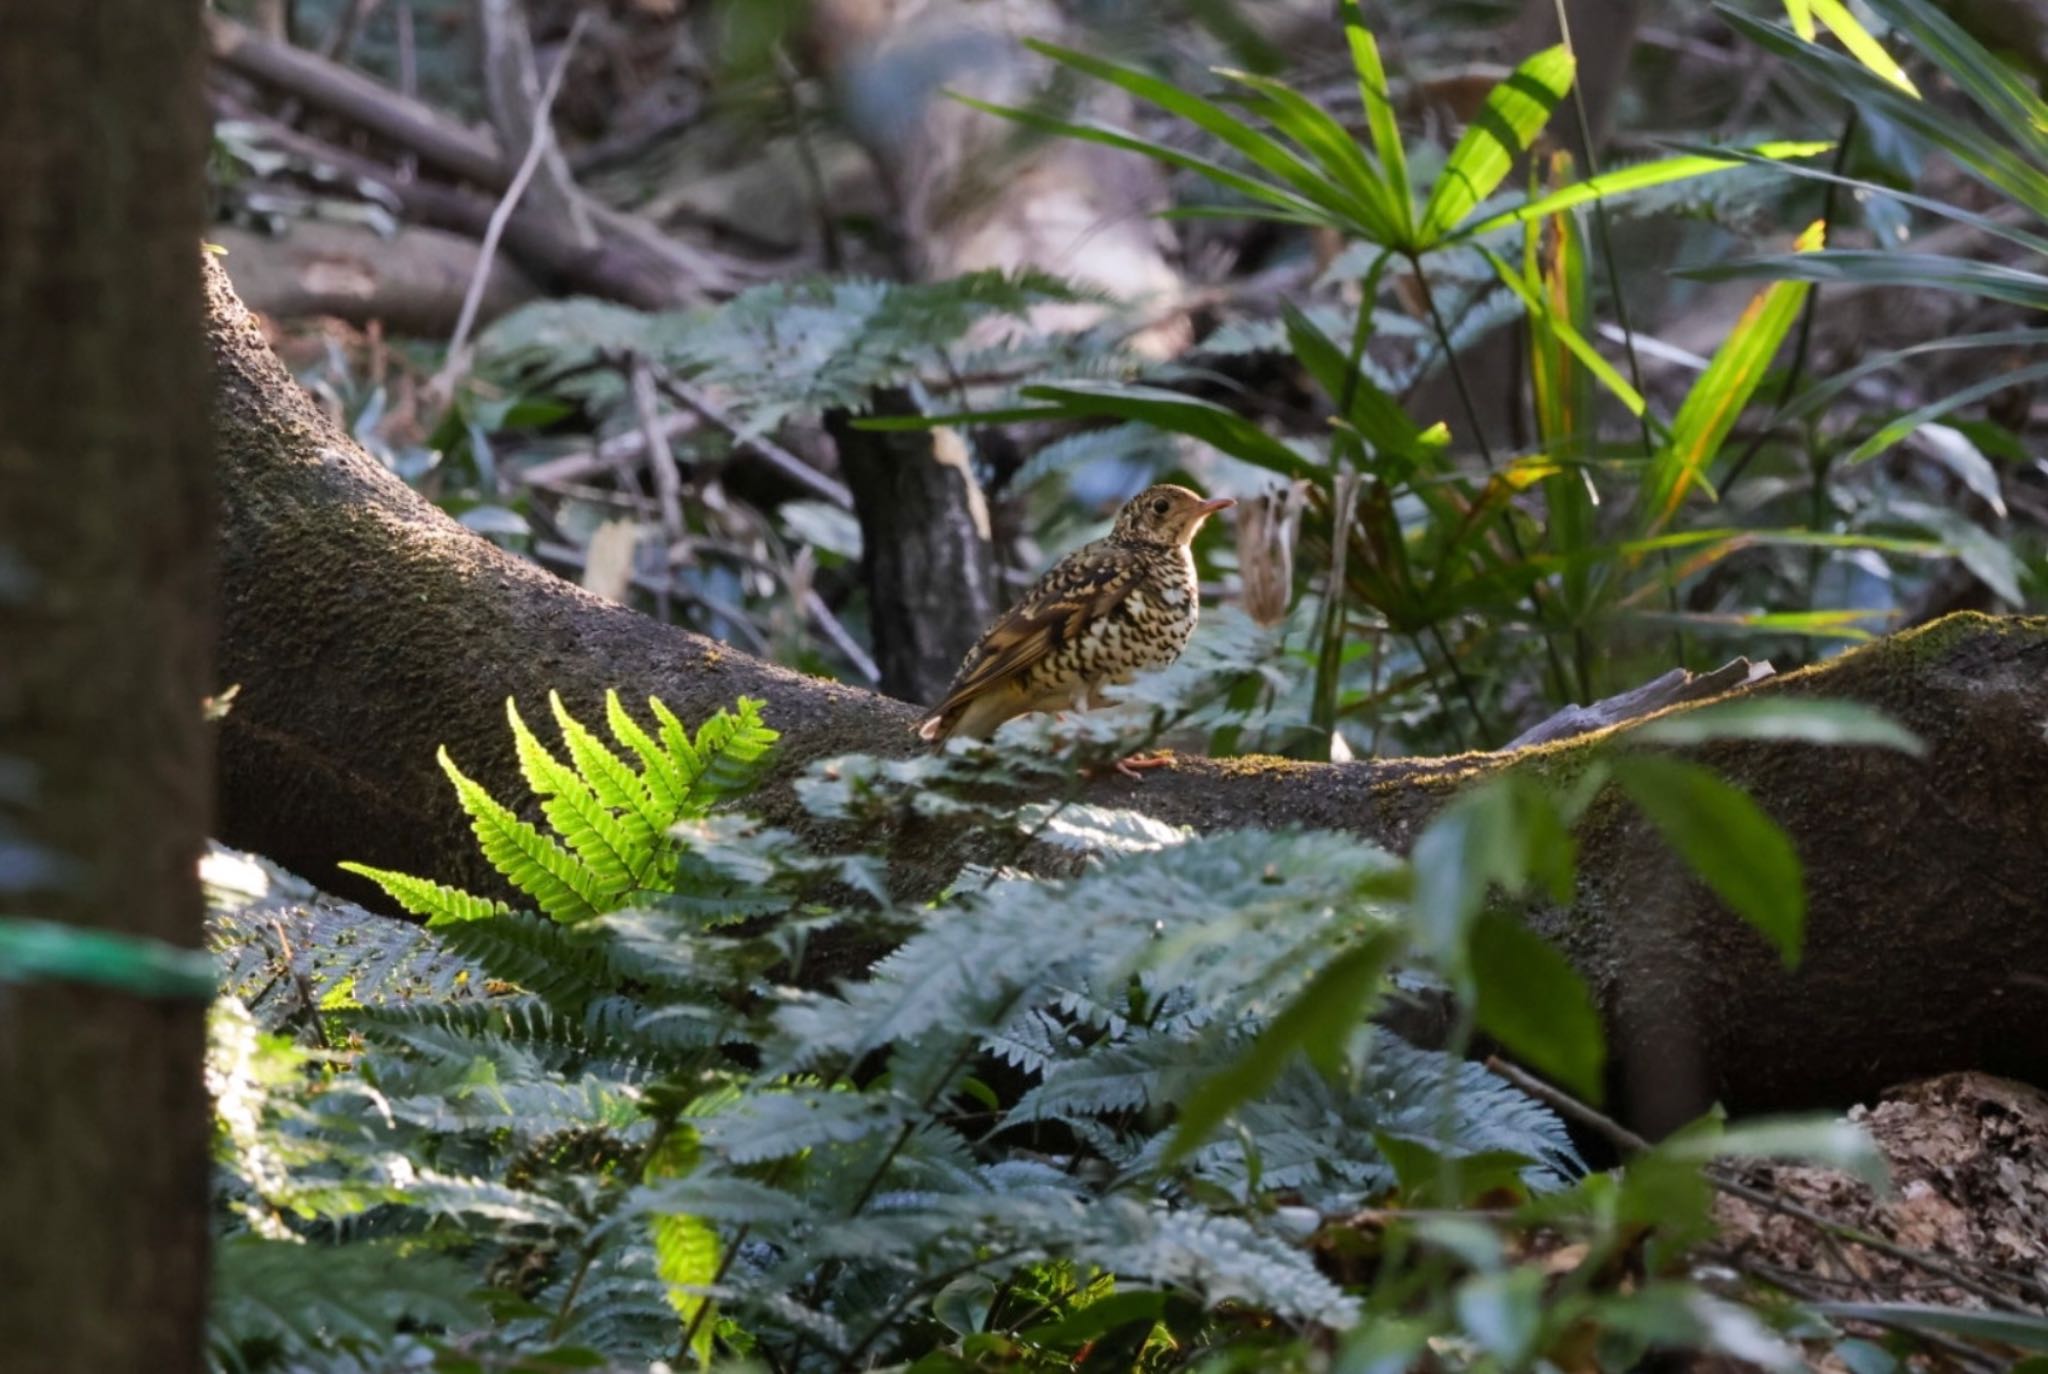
[[1135, 767]]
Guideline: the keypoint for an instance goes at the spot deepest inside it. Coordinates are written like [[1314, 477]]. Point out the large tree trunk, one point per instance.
[[365, 629], [106, 519]]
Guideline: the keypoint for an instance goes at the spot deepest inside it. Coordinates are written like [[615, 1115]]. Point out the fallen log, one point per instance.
[[365, 629], [413, 281]]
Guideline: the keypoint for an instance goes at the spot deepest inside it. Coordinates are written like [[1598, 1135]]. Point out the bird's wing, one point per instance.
[[1077, 592]]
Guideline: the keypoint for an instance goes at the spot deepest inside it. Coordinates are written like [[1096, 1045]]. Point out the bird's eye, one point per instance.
[[1159, 506]]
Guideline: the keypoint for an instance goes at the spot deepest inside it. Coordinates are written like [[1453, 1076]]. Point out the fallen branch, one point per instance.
[[414, 281], [642, 266], [536, 153]]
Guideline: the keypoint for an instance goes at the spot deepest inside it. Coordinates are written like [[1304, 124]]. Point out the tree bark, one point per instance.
[[366, 629], [106, 513], [926, 554]]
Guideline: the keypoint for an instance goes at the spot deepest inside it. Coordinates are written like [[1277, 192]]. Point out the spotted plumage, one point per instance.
[[1102, 615]]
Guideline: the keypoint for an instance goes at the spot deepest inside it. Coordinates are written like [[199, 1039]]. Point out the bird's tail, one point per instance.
[[933, 729]]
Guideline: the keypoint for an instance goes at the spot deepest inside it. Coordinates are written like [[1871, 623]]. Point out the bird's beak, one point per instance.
[[1205, 509]]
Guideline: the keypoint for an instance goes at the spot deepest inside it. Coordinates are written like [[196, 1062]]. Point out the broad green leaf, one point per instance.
[[1319, 1022], [1097, 1319], [1809, 722], [1563, 330], [1827, 1141], [1620, 181], [1380, 116], [1533, 1001], [1503, 1312], [1719, 394], [1170, 410], [1726, 839], [1430, 1178], [1506, 831], [1858, 40], [1514, 113], [964, 1304], [1990, 559]]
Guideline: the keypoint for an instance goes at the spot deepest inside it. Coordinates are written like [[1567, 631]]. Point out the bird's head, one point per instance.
[[1165, 515]]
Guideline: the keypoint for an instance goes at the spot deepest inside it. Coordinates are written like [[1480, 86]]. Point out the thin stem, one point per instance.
[[1609, 265], [1802, 347], [501, 214], [1443, 334], [1458, 676]]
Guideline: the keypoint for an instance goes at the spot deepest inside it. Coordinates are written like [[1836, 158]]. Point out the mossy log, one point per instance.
[[365, 629]]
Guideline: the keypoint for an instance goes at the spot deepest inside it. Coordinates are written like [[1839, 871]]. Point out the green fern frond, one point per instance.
[[724, 760], [664, 783], [732, 747], [579, 816], [545, 957], [616, 785], [556, 880], [675, 738], [686, 1252], [437, 902], [295, 1303]]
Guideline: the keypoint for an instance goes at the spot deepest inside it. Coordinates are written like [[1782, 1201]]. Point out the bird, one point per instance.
[[1103, 614]]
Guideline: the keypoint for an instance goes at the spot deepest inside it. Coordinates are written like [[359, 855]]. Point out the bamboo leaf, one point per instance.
[[1169, 410], [1379, 115], [1514, 113], [1533, 1001], [1720, 393], [1993, 84], [1265, 152], [1563, 331], [1727, 840], [1641, 176], [1858, 40]]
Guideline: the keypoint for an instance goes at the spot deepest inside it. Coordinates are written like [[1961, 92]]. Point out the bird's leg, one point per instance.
[[1134, 767]]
